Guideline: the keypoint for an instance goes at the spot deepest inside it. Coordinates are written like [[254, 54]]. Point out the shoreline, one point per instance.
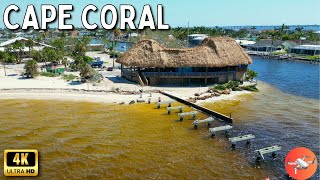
[[82, 95], [287, 59]]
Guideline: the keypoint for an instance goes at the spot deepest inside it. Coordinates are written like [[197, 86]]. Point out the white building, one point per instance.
[[7, 44]]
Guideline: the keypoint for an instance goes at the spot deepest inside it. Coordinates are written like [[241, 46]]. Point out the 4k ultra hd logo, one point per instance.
[[22, 162]]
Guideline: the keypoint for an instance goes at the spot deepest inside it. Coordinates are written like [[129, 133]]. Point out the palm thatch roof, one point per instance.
[[213, 52]]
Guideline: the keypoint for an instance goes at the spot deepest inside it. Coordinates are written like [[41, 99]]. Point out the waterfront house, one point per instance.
[[268, 45], [215, 60], [310, 50], [265, 45]]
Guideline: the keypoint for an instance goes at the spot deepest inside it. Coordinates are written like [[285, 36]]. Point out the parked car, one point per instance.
[[110, 69], [96, 64]]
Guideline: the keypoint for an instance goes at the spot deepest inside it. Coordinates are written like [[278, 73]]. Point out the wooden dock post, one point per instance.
[[220, 128], [191, 113], [271, 149], [164, 102], [197, 122], [247, 138], [175, 108]]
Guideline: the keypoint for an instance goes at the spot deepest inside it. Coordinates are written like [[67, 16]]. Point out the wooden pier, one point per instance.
[[200, 108]]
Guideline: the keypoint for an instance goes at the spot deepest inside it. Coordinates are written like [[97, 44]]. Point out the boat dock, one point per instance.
[[200, 108]]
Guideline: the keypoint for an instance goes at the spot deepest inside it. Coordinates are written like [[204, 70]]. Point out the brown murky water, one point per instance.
[[94, 141]]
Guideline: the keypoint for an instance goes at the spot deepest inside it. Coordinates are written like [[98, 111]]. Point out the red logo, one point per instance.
[[301, 163]]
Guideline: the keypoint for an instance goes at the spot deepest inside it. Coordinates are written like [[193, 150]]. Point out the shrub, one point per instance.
[[232, 84], [250, 88], [31, 68], [219, 87], [251, 74], [48, 74], [69, 77]]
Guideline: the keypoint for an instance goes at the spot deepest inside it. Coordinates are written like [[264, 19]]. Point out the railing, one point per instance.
[[188, 74], [129, 73]]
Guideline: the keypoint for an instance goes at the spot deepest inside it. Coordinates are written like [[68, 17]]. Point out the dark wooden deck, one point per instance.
[[200, 108]]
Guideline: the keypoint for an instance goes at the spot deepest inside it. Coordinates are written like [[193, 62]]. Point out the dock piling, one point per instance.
[[271, 149], [191, 113], [169, 108], [212, 131], [208, 120]]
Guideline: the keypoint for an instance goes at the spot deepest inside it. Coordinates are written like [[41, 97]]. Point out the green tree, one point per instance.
[[283, 29], [31, 69], [30, 44], [86, 71], [251, 75], [3, 59], [273, 34], [299, 30], [81, 46], [51, 55], [37, 56], [18, 47]]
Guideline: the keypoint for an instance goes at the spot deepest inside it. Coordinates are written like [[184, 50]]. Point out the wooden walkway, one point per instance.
[[200, 108]]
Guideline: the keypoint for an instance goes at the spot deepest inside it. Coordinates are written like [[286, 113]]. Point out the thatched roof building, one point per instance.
[[213, 52]]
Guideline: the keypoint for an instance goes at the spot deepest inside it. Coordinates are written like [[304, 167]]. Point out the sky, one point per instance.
[[208, 13]]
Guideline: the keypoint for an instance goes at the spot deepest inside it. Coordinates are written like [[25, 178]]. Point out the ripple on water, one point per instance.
[[140, 142]]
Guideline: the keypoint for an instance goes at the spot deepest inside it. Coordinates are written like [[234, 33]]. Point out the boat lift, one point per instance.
[[164, 102], [175, 108], [225, 128], [209, 120], [271, 149], [247, 137], [191, 113]]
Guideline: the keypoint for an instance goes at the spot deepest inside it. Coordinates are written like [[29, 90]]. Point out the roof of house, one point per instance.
[[244, 42], [212, 52], [307, 47], [268, 42], [289, 44], [11, 41]]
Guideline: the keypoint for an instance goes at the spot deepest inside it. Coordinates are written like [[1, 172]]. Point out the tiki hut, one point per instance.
[[216, 60]]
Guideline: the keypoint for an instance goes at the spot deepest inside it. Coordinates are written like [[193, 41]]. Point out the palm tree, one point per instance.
[[30, 44], [273, 34], [299, 30], [3, 58], [18, 45], [284, 28], [117, 32]]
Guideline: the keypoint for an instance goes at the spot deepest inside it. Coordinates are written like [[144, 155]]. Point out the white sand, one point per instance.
[[13, 86]]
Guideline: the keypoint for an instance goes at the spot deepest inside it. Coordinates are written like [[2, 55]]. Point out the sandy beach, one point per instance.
[[113, 88]]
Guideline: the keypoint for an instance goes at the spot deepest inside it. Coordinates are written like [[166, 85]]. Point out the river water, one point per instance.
[[90, 140]]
